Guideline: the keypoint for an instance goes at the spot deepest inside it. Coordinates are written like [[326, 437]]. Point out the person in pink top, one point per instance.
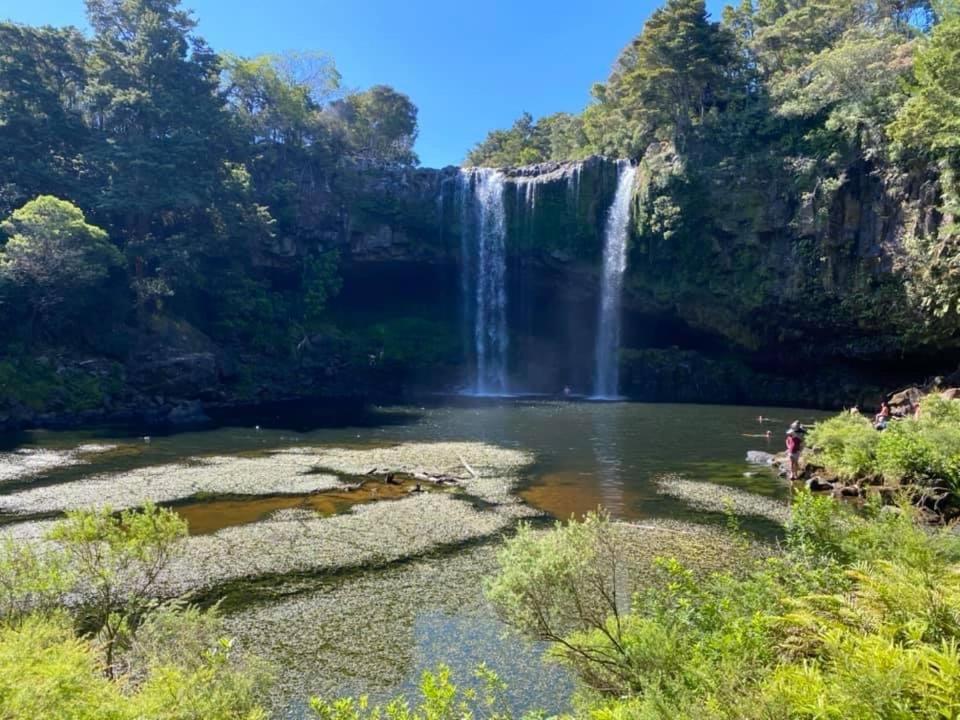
[[795, 447]]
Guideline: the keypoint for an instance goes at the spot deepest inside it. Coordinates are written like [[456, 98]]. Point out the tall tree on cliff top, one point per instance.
[[383, 125], [153, 98], [42, 132], [674, 73]]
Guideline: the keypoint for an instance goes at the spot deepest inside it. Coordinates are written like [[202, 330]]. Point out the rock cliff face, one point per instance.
[[739, 288]]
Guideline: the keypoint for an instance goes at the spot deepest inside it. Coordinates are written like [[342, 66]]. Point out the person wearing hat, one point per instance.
[[795, 435]]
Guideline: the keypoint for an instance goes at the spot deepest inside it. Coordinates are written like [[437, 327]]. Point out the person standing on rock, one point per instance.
[[794, 447]]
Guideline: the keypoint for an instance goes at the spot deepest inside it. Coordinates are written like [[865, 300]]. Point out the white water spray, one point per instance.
[[607, 374], [485, 276]]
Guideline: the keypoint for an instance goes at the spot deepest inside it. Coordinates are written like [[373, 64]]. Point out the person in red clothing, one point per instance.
[[795, 447]]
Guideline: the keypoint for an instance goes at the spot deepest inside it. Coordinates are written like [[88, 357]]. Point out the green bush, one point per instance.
[[41, 387], [923, 450], [857, 617], [113, 654], [46, 671], [440, 699], [847, 445]]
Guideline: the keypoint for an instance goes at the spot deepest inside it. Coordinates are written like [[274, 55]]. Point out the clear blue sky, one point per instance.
[[469, 66]]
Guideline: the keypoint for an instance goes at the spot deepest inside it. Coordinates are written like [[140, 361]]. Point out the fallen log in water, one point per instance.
[[436, 479]]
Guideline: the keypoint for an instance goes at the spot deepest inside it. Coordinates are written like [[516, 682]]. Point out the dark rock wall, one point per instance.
[[740, 288], [793, 294]]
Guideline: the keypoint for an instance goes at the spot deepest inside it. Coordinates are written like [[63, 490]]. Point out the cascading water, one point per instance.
[[607, 374], [484, 231]]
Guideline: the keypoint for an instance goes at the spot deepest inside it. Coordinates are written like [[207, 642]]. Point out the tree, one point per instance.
[[279, 98], [53, 255], [42, 133], [554, 137], [674, 71], [118, 561], [929, 121], [382, 124], [563, 588], [928, 126], [153, 101]]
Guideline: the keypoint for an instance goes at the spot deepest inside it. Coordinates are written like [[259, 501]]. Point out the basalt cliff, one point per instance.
[[736, 289]]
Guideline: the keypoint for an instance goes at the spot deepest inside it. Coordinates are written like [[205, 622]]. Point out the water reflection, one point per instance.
[[607, 454]]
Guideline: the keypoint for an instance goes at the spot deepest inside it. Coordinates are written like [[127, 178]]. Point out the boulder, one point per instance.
[[849, 491], [815, 484], [759, 457], [902, 401]]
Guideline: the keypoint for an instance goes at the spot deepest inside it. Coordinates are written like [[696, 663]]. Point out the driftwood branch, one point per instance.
[[436, 479], [465, 464]]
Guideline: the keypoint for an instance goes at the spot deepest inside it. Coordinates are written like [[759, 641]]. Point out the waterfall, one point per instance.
[[607, 374], [483, 238], [573, 187]]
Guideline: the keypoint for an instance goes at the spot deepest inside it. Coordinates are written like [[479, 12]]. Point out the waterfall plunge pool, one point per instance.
[[376, 630]]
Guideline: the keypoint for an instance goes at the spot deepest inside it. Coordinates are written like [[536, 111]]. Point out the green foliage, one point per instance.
[[928, 126], [117, 560], [320, 283], [414, 342], [440, 699], [46, 671], [382, 124], [924, 450], [857, 617], [847, 444], [42, 130], [131, 659], [152, 95], [553, 137], [39, 386], [278, 99], [929, 121], [31, 580], [673, 74], [53, 256]]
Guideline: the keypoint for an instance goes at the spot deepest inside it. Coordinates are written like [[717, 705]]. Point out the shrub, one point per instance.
[[117, 561], [440, 699], [923, 450], [857, 617], [846, 444], [48, 672]]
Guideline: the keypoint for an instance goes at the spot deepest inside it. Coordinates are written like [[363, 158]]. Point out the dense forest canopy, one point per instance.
[[143, 145]]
